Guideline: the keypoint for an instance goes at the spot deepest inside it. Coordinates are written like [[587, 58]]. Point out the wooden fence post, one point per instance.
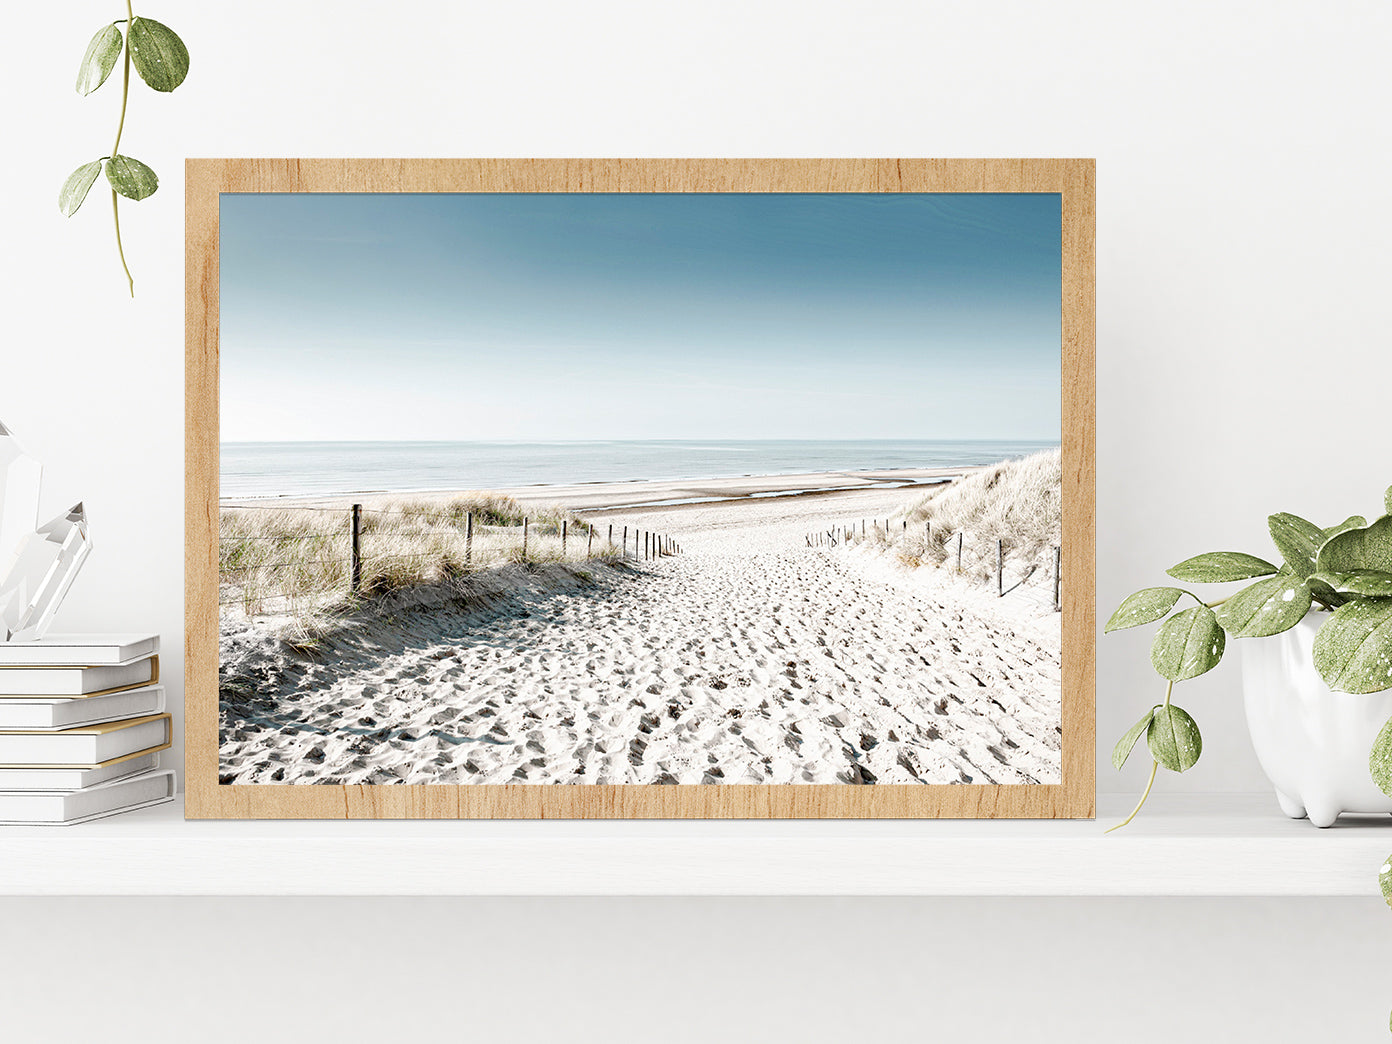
[[564, 524], [959, 552], [1058, 564], [611, 534], [469, 540], [624, 554], [589, 544], [524, 538], [1000, 568], [356, 581], [646, 537]]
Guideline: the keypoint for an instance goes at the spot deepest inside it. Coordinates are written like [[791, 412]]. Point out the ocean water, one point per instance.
[[268, 469]]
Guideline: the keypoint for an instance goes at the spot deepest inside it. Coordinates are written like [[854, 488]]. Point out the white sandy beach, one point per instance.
[[589, 497], [750, 658]]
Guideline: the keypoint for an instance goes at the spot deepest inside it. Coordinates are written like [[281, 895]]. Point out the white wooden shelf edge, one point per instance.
[[1192, 846]]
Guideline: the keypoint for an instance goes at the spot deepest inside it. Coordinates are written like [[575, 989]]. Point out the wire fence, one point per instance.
[[289, 554], [986, 559]]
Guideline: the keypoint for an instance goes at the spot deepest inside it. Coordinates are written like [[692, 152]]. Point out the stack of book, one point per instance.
[[82, 724]]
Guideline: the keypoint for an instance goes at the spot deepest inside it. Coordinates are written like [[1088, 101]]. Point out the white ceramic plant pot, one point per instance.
[[1312, 742]]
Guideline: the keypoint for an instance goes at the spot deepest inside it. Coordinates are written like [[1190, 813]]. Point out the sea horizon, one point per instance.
[[284, 469]]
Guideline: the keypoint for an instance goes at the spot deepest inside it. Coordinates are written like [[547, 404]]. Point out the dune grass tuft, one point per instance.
[[1017, 502], [293, 559]]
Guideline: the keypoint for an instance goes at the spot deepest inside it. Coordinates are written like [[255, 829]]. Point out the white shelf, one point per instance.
[[1213, 845]]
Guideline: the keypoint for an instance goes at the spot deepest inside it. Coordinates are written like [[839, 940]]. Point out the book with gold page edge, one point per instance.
[[79, 650], [65, 777], [88, 746], [77, 681], [51, 713]]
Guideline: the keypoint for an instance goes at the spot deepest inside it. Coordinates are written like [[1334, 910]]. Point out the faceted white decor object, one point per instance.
[[19, 496], [41, 574]]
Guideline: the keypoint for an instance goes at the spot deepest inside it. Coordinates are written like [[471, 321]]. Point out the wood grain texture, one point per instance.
[[1072, 179]]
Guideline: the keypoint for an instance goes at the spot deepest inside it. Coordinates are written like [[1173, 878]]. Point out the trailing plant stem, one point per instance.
[[116, 148], [125, 80], [1154, 768], [116, 214]]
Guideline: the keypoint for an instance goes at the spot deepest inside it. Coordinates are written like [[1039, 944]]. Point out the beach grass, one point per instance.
[[297, 558], [1017, 502]]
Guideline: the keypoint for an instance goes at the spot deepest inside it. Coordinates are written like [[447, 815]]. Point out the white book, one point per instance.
[[87, 746], [77, 681], [64, 808], [47, 777], [50, 713], [79, 650]]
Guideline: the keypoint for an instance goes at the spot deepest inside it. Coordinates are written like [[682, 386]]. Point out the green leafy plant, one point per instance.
[[1345, 570], [162, 61]]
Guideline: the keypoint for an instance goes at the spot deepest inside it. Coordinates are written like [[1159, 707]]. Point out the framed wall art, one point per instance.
[[640, 488]]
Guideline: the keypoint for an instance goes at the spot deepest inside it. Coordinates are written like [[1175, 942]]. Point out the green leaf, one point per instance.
[[1188, 644], [1143, 607], [1322, 592], [75, 189], [160, 57], [1352, 522], [1298, 541], [99, 60], [1122, 750], [130, 177], [1219, 567], [1267, 607], [1387, 500], [1353, 650], [1385, 880], [1173, 738], [1380, 764], [1368, 547], [1366, 583]]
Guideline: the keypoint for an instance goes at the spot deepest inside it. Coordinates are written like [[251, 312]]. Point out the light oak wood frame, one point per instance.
[[1072, 179]]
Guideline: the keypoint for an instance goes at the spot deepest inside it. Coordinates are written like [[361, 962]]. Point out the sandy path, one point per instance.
[[734, 663]]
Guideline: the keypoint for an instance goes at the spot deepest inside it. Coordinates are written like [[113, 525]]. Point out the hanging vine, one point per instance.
[[162, 61]]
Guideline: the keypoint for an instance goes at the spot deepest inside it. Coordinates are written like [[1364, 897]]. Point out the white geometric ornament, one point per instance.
[[37, 566], [45, 567]]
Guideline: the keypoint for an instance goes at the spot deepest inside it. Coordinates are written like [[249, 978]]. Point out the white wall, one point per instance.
[[1242, 152], [1242, 214]]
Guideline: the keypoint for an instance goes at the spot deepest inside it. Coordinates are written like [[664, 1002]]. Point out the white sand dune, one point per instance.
[[749, 659]]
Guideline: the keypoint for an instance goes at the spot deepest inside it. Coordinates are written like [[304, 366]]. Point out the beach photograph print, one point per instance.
[[704, 489]]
